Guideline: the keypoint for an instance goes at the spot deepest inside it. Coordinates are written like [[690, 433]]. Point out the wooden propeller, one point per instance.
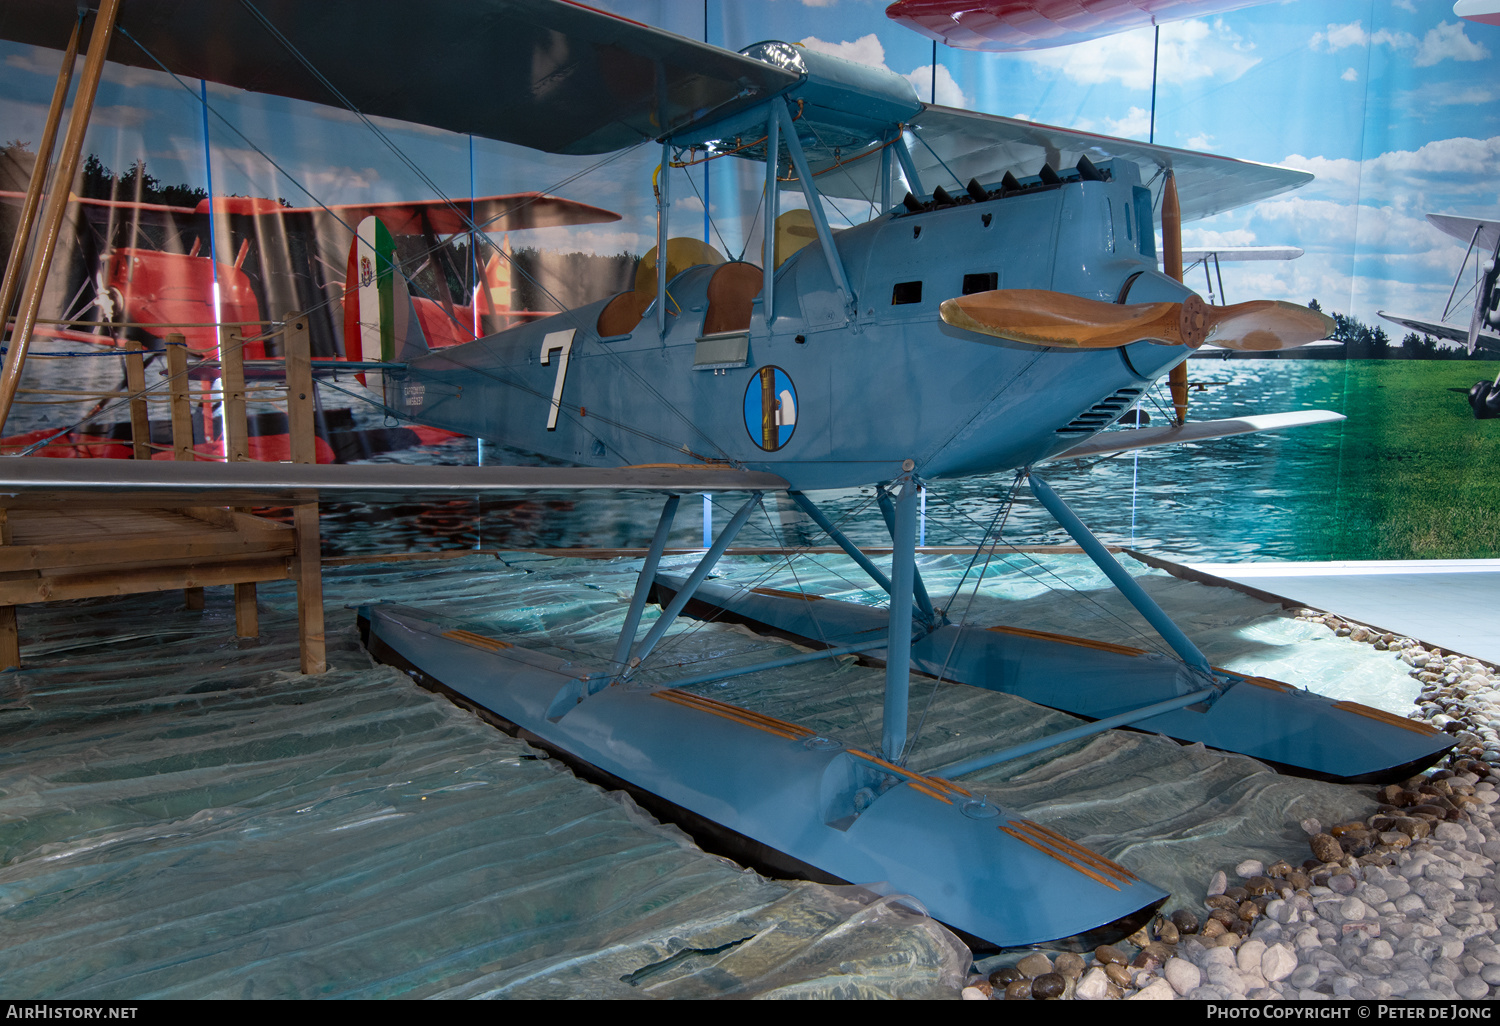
[[1058, 319]]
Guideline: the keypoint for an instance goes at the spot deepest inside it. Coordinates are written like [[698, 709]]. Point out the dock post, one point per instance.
[[10, 638], [237, 450], [140, 412], [182, 426], [309, 560]]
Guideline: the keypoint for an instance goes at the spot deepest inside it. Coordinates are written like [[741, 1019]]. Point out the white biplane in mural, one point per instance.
[[1481, 298]]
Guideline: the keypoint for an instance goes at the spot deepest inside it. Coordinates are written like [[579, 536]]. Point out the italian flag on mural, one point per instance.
[[370, 295]]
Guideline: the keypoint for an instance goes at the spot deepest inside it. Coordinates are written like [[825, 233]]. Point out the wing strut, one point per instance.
[[814, 205]]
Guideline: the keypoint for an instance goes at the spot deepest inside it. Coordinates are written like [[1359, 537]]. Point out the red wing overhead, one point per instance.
[[490, 213], [955, 145], [549, 75], [1486, 12], [1009, 25], [508, 213], [144, 213]]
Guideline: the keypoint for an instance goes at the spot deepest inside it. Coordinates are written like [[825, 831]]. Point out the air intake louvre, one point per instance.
[[1102, 414]]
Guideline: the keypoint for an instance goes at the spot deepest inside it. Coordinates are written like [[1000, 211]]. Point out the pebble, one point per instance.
[[1402, 906]]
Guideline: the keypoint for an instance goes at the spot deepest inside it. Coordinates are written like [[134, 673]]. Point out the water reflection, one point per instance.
[[1247, 497]]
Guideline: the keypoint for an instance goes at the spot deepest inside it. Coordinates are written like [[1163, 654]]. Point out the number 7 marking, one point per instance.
[[557, 340]]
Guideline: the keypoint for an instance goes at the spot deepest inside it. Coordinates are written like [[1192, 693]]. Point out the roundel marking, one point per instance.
[[770, 408]]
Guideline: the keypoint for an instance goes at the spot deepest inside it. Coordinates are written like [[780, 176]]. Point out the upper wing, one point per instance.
[[142, 213], [546, 74], [36, 482], [956, 145], [1462, 229], [1005, 25], [1438, 329], [1227, 253]]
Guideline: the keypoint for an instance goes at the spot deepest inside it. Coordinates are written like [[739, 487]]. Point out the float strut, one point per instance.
[[642, 590], [919, 590], [898, 651], [807, 506], [1041, 744], [690, 586], [776, 664], [1133, 592]]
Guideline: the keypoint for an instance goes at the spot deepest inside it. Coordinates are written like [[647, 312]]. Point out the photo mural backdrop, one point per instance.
[[1390, 103]]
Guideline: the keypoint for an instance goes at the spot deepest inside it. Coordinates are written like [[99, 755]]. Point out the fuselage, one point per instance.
[[823, 399]]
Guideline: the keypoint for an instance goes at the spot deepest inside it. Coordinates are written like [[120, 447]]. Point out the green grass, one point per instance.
[[1416, 476]]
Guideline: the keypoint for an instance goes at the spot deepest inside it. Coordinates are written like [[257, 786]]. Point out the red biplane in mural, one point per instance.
[[144, 270]]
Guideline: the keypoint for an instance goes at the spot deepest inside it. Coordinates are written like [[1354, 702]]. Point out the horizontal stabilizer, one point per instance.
[[1196, 431], [29, 482]]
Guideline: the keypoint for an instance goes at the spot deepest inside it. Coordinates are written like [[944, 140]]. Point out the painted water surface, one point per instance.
[[1409, 475]]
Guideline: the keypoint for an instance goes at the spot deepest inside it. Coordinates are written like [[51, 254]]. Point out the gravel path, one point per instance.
[[1400, 905]]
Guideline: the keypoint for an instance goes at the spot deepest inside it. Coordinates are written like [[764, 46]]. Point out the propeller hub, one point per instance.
[[1193, 322]]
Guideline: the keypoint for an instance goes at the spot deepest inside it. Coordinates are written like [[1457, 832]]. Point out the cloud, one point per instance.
[[1350, 75], [1201, 238], [1190, 51], [947, 93], [1201, 142], [120, 115], [1339, 37], [869, 50], [864, 50], [1441, 159], [1136, 122], [1446, 41]]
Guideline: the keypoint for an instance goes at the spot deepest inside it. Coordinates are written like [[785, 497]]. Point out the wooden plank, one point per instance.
[[97, 585], [192, 598], [162, 548], [140, 415]]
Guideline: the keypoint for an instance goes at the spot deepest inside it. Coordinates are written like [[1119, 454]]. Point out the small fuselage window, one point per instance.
[[906, 292], [989, 281]]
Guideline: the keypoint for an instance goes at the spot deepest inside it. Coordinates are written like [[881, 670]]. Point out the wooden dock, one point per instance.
[[86, 548]]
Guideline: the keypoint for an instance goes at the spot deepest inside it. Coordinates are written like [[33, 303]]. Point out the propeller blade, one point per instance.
[[1043, 318], [1263, 325], [1171, 265], [1057, 319]]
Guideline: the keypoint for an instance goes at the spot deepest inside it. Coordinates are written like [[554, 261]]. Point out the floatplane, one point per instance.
[[1003, 308]]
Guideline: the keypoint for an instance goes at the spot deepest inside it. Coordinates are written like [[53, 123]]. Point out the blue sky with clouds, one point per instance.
[[1391, 103]]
